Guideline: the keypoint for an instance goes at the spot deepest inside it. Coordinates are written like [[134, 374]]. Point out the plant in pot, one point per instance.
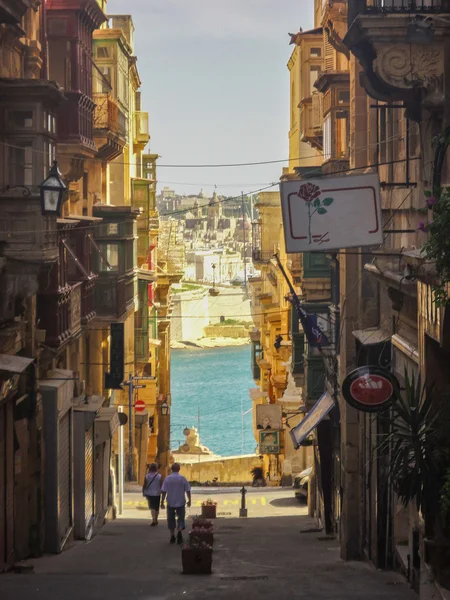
[[419, 454], [209, 509], [202, 534], [203, 523], [258, 477], [196, 558]]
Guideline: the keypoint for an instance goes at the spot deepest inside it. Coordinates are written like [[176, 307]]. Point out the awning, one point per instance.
[[371, 336], [318, 412], [106, 423], [87, 411], [13, 363]]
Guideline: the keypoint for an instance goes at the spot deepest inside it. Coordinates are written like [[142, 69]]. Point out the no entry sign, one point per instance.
[[139, 406], [370, 389]]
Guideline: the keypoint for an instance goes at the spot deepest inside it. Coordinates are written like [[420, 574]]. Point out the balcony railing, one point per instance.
[[75, 309], [114, 297], [141, 345], [317, 111], [59, 314], [397, 6], [87, 301], [108, 115], [258, 256], [306, 121], [141, 127]]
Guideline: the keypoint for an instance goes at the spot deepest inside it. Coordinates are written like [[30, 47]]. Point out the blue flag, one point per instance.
[[315, 336]]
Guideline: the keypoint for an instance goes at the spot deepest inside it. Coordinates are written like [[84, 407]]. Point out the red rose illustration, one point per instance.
[[309, 192]]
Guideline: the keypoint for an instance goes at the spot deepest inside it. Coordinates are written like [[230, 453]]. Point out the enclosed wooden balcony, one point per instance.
[[110, 131], [12, 11], [141, 128], [116, 286], [76, 122], [308, 132], [59, 314], [115, 296]]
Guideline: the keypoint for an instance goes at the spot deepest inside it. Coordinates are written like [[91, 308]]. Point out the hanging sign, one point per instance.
[[114, 379], [331, 213], [269, 442], [370, 388]]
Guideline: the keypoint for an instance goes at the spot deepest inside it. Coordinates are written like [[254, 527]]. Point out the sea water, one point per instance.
[[214, 383]]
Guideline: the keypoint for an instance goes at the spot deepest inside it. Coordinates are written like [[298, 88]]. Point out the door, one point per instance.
[[6, 485], [65, 476], [99, 484], [89, 476]]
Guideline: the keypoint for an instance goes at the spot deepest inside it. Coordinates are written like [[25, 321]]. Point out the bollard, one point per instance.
[[243, 510]]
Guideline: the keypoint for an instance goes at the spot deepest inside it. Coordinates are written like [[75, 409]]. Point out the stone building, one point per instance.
[[378, 106], [69, 273]]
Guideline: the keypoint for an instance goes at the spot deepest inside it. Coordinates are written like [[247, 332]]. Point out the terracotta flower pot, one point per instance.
[[196, 561], [209, 511]]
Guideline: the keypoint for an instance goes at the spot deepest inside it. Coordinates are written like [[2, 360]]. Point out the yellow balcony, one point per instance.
[[141, 128]]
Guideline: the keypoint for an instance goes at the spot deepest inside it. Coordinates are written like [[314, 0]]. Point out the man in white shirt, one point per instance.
[[176, 488]]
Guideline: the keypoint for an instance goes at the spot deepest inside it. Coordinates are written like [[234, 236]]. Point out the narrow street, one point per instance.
[[277, 550]]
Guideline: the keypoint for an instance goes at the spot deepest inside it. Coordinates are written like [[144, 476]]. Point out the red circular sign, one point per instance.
[[139, 406], [370, 388]]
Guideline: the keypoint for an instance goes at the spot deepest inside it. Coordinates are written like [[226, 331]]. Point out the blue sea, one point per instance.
[[214, 382]]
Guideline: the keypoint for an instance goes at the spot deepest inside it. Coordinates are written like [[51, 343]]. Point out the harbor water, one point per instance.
[[210, 392]]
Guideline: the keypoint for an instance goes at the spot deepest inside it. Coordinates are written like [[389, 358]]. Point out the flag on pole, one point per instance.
[[315, 336]]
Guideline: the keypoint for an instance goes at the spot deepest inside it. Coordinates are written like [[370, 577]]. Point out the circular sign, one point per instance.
[[139, 406], [370, 388]]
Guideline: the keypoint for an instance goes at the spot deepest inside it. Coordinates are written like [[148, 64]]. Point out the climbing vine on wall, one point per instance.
[[437, 247]]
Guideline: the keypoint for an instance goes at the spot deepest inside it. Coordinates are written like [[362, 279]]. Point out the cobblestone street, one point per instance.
[[253, 558]]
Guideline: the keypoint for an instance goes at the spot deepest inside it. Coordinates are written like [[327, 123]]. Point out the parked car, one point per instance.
[[301, 482]]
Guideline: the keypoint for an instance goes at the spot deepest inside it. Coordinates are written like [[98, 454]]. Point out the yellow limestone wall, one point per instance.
[[234, 469]]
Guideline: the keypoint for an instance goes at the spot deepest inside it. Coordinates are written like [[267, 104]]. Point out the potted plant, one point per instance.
[[203, 523], [202, 534], [419, 456], [209, 508], [258, 477], [196, 558]]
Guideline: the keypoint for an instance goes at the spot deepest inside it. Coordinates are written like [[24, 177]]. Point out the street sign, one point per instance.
[[139, 406], [370, 388], [331, 213], [269, 442]]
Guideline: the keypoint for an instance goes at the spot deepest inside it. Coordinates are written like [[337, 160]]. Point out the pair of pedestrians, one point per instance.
[[175, 487]]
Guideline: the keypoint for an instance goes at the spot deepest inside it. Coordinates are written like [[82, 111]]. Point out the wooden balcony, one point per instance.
[[76, 122], [141, 128], [12, 11], [59, 314], [114, 296], [110, 131], [141, 345], [88, 301], [308, 133]]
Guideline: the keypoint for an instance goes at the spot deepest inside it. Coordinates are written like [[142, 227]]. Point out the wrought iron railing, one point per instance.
[[397, 6]]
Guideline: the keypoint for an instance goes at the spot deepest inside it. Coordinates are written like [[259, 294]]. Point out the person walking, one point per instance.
[[151, 489], [176, 488]]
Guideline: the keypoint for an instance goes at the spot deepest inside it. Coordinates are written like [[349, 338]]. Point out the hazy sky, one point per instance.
[[216, 85]]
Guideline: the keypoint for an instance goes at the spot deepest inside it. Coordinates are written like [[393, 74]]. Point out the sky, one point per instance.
[[215, 83]]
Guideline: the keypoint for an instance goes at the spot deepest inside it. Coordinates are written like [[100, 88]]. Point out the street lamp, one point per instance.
[[52, 190], [165, 409]]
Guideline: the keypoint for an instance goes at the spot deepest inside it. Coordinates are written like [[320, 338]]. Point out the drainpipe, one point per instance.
[[44, 42]]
